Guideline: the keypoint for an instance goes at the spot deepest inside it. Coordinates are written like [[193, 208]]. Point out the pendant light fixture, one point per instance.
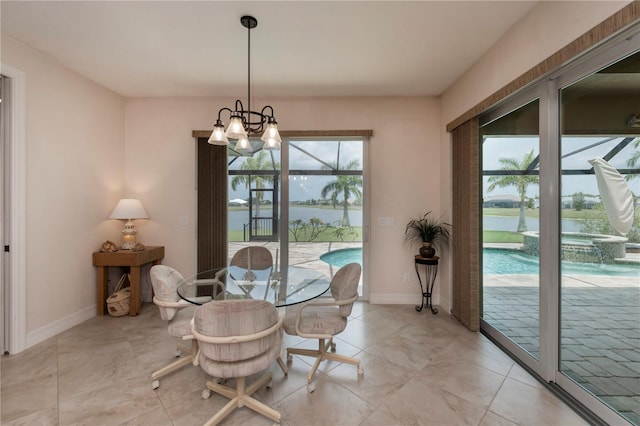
[[245, 122]]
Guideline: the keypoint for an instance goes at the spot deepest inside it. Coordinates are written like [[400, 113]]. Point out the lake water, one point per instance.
[[237, 219], [510, 223]]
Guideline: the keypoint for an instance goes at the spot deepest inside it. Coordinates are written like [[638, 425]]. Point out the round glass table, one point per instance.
[[283, 288]]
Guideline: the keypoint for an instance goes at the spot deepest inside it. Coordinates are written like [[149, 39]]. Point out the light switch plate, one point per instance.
[[386, 221]]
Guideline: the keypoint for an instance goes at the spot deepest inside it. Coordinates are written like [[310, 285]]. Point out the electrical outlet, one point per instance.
[[405, 278]]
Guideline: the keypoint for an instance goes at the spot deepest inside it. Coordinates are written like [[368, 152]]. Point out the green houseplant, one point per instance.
[[428, 231]]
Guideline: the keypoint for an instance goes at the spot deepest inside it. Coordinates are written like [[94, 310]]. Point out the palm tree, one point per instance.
[[257, 162], [521, 182], [345, 185]]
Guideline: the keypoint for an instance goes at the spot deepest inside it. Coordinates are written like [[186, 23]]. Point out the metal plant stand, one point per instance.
[[431, 271]]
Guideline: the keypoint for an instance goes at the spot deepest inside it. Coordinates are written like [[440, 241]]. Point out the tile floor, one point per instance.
[[420, 369]]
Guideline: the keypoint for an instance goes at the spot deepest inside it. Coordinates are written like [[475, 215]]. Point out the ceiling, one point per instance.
[[299, 48]]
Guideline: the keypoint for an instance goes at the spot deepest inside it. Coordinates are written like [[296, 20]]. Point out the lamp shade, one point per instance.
[[218, 136], [129, 208], [236, 129], [243, 144], [271, 137]]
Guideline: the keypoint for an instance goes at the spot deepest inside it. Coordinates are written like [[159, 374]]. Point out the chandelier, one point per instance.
[[245, 122]]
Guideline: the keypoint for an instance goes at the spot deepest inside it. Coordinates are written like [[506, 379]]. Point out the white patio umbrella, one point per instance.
[[615, 194]]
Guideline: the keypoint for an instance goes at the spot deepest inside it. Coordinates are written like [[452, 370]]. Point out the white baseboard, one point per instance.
[[43, 333]]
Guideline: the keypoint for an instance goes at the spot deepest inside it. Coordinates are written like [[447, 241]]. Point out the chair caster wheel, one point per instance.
[[269, 383], [206, 394], [178, 352], [289, 358], [311, 387], [155, 384], [333, 347], [360, 371]]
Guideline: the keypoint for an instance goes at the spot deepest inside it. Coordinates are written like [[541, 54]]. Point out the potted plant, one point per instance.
[[428, 231]]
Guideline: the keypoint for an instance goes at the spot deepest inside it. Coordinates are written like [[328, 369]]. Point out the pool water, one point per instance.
[[585, 241], [342, 257], [500, 261]]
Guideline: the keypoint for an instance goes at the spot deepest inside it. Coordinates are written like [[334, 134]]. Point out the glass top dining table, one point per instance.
[[294, 285]]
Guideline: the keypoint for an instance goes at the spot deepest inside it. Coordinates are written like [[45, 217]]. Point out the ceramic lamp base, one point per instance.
[[128, 236]]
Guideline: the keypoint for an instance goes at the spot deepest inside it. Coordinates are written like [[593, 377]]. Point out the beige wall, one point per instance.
[[74, 177], [549, 26], [404, 170]]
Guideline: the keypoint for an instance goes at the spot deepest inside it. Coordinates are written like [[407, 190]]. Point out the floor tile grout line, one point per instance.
[[504, 379]]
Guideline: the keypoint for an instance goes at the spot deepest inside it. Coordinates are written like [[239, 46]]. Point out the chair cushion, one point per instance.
[[315, 320], [243, 368], [180, 325], [165, 280], [235, 318]]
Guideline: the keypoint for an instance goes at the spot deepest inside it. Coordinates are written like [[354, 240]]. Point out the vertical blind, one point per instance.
[[212, 206], [466, 217]]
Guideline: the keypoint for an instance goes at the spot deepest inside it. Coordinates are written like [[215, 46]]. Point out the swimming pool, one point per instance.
[[342, 257], [501, 261]]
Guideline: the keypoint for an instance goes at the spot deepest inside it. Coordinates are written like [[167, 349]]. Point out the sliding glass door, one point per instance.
[[325, 203], [510, 228], [599, 298], [305, 202], [561, 229]]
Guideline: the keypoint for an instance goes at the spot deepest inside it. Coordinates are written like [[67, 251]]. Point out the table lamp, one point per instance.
[[128, 209]]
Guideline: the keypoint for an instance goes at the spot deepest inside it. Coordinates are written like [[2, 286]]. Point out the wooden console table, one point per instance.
[[134, 260]]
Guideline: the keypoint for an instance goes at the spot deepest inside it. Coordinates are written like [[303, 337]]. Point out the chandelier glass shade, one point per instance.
[[243, 144], [244, 123]]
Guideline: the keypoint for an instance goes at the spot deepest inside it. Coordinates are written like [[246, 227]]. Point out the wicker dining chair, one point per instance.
[[324, 318], [237, 338], [177, 312]]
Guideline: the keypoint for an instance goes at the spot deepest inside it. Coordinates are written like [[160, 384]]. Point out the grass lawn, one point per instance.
[[501, 237], [565, 213]]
